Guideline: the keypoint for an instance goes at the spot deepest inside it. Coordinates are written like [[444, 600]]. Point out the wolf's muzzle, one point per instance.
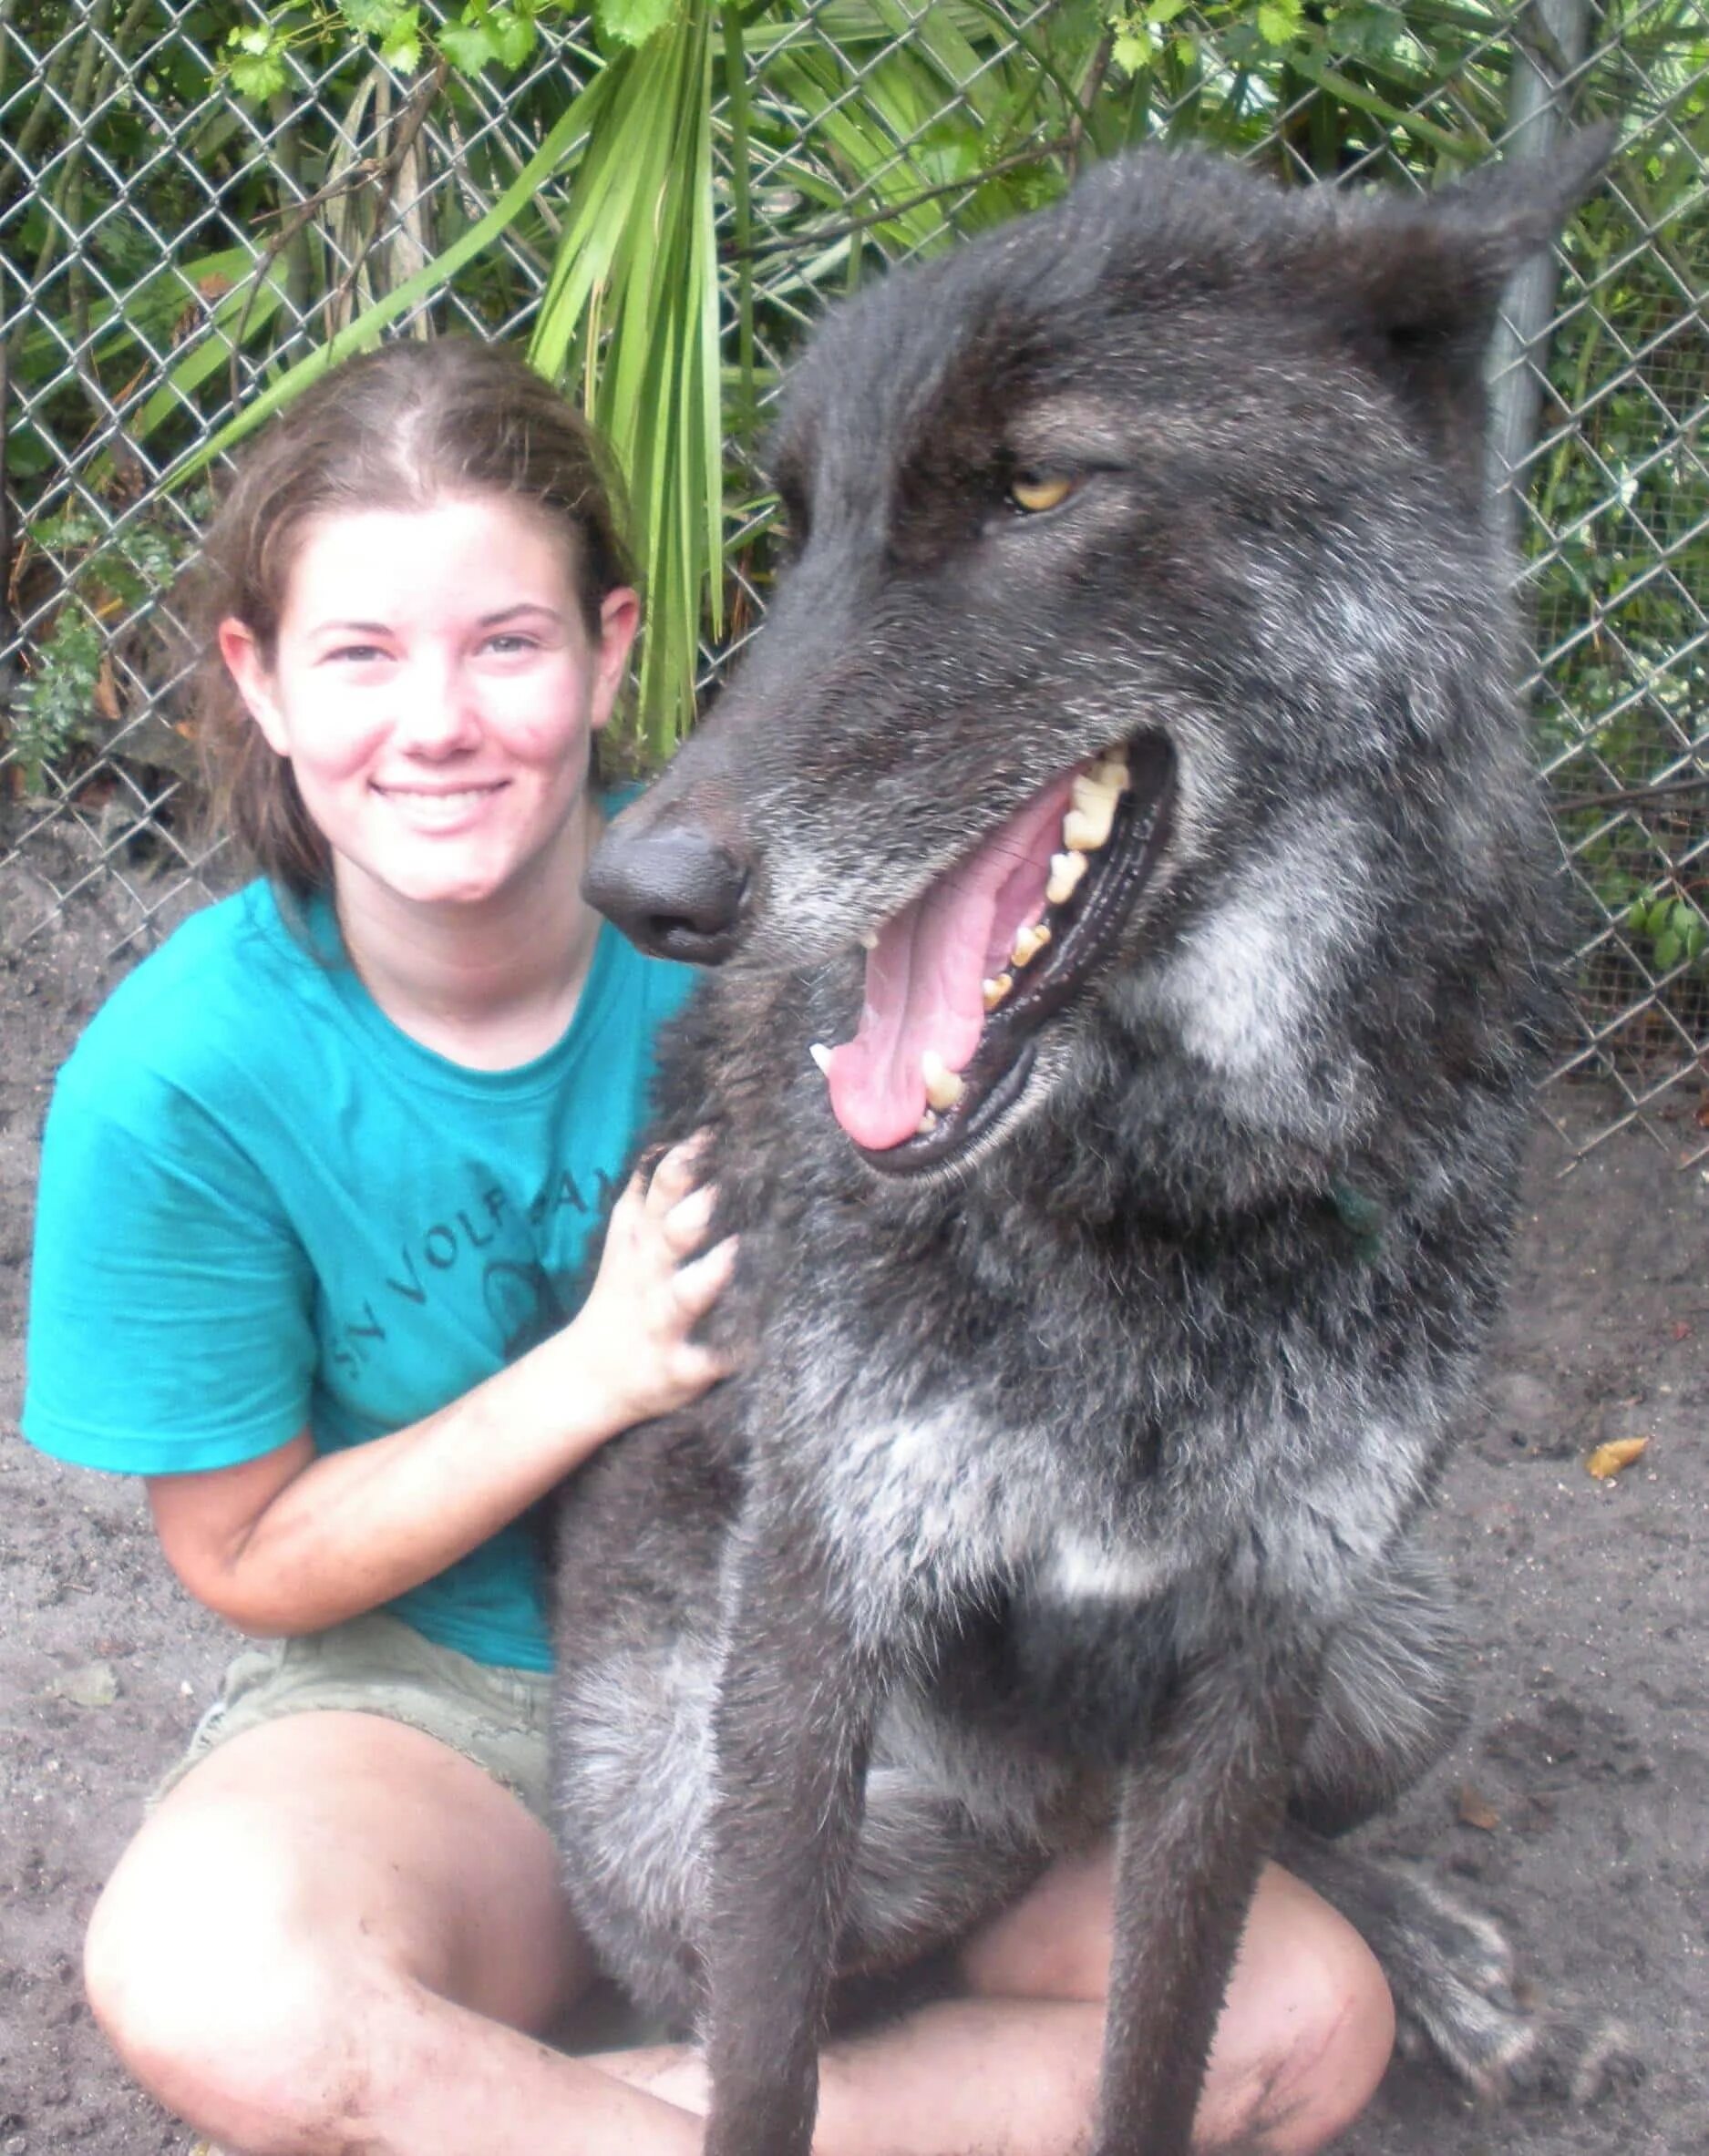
[[674, 889]]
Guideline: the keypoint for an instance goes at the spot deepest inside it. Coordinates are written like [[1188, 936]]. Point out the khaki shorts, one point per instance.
[[379, 1665]]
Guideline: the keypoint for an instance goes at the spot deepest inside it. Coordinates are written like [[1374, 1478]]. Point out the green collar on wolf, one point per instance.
[[1364, 1217]]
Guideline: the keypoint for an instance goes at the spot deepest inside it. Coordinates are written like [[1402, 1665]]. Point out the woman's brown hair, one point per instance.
[[398, 428]]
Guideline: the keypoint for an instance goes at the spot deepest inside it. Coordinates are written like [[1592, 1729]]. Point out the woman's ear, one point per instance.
[[620, 619], [241, 653]]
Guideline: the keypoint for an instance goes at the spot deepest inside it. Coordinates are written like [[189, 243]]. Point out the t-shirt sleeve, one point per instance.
[[171, 1324]]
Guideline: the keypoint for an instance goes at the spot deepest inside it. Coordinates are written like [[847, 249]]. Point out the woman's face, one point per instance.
[[436, 689]]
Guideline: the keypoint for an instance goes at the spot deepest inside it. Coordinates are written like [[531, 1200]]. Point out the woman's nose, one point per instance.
[[439, 713]]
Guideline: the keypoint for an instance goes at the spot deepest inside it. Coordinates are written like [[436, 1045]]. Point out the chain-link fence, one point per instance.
[[195, 195]]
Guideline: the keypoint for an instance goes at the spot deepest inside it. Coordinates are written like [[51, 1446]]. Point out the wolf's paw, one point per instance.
[[1463, 2003]]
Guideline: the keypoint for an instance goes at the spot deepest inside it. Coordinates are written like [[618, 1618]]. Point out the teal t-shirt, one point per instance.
[[263, 1206]]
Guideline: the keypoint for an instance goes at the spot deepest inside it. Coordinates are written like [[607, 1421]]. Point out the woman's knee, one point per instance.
[[218, 2002], [1318, 2038]]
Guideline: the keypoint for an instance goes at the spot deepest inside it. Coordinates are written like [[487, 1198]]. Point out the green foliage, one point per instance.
[[1674, 928], [108, 576], [632, 21], [1619, 535], [257, 57]]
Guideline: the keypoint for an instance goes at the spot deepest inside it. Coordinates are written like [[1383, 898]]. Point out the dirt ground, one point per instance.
[[1575, 1807]]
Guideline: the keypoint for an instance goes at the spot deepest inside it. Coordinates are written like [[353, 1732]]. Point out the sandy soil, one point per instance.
[[1570, 1808]]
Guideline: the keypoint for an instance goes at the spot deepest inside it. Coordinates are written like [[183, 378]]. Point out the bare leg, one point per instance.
[[1013, 2068], [334, 1933], [332, 1936]]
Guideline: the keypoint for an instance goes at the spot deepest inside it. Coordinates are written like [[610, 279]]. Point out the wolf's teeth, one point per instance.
[[868, 939], [927, 1123], [944, 1086], [994, 991], [1111, 770], [1065, 871], [1088, 788], [820, 1055], [1088, 824], [1029, 942]]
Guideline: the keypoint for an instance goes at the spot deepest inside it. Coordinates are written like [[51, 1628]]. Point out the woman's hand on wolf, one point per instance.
[[298, 1539], [655, 1282]]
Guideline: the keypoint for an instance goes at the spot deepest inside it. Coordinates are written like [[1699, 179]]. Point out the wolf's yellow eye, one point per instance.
[[1037, 491]]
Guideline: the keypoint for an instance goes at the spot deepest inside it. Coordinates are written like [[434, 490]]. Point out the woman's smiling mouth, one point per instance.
[[438, 808]]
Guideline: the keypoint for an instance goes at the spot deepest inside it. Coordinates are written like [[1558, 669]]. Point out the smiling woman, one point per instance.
[[416, 615], [434, 688]]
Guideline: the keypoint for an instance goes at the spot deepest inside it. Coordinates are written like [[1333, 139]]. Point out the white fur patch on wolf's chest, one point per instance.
[[944, 1501], [944, 1505], [1081, 1568]]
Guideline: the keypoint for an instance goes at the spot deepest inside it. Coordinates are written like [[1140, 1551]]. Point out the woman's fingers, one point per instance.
[[686, 1225], [698, 1285], [675, 1173]]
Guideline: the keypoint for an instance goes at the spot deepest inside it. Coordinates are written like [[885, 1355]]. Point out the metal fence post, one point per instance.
[[1549, 41]]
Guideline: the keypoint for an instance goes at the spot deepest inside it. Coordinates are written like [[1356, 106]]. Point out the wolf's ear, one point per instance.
[[1429, 274]]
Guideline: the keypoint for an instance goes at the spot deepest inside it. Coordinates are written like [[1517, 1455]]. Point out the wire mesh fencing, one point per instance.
[[197, 196]]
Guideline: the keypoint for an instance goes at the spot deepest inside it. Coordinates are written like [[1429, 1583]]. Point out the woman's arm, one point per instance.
[[296, 1540]]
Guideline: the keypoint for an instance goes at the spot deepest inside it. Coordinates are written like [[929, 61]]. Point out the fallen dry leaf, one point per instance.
[[1619, 1452], [94, 1685], [1475, 1809]]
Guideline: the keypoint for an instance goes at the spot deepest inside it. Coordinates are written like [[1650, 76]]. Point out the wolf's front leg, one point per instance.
[[1198, 1814], [791, 1728]]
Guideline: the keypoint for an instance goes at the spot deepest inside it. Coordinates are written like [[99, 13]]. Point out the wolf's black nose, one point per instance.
[[673, 890]]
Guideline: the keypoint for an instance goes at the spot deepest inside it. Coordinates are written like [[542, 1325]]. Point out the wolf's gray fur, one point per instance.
[[1080, 1438]]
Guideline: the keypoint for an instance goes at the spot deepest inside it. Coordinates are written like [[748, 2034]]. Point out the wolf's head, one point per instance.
[[1142, 663]]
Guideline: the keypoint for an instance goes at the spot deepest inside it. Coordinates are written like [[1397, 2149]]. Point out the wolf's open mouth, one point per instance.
[[960, 978]]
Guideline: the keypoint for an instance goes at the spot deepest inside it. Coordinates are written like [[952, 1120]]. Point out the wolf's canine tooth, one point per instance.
[[944, 1087], [994, 991], [820, 1055]]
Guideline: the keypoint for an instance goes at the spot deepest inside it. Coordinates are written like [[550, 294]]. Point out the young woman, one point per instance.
[[315, 1185]]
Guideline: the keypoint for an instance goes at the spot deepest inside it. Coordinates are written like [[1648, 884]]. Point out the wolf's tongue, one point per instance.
[[925, 978]]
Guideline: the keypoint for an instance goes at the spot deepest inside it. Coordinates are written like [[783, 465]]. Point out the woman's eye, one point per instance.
[[356, 654], [509, 644], [1035, 492]]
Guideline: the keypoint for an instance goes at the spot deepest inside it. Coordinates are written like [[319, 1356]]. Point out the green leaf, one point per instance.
[[259, 76], [401, 45], [1668, 950], [1278, 21], [632, 21], [467, 45], [369, 18], [1131, 52], [514, 35]]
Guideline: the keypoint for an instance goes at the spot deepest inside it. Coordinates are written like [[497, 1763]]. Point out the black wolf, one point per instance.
[[1127, 783]]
